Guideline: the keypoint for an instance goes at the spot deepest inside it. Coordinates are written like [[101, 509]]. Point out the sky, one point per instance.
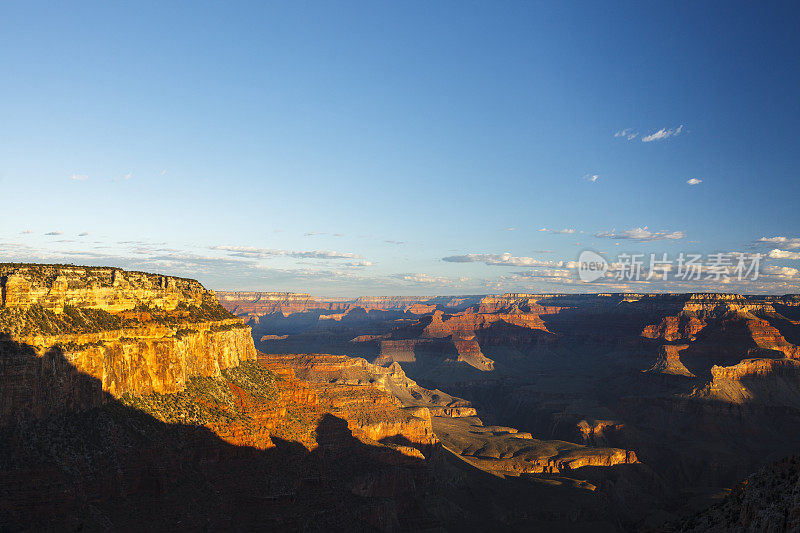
[[371, 148]]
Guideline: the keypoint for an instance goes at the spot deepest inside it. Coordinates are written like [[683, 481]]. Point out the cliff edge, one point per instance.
[[135, 333]]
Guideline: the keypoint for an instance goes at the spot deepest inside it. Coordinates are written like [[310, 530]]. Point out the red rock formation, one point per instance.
[[669, 361], [675, 328], [598, 432], [469, 351], [464, 325]]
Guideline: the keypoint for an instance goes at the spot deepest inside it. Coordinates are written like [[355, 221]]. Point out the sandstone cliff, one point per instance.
[[53, 287], [136, 333]]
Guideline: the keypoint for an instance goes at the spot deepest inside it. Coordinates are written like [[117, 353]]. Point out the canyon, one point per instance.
[[701, 388], [123, 391]]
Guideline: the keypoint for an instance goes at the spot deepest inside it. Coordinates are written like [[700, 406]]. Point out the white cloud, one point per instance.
[[783, 254], [505, 259], [642, 234], [780, 272], [663, 133], [358, 264], [627, 133], [788, 242], [545, 273], [79, 177], [694, 181], [267, 253], [425, 279], [565, 231]]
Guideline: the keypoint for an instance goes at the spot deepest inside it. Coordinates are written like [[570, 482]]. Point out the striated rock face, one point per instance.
[[464, 326], [762, 381], [768, 337], [380, 404], [675, 328], [127, 361], [54, 286], [134, 333]]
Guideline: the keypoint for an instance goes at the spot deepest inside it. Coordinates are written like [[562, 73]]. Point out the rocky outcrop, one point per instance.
[[504, 450], [343, 370], [380, 404], [717, 303], [669, 361], [451, 336], [469, 351], [134, 333], [720, 326], [767, 337], [135, 361], [675, 328], [464, 325], [760, 381]]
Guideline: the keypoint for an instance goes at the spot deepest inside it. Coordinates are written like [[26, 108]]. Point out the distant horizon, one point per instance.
[[390, 295], [504, 294]]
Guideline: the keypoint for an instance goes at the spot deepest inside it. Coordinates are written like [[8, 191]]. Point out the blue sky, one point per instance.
[[346, 148]]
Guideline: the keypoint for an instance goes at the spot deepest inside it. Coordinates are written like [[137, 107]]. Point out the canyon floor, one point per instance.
[[131, 400]]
